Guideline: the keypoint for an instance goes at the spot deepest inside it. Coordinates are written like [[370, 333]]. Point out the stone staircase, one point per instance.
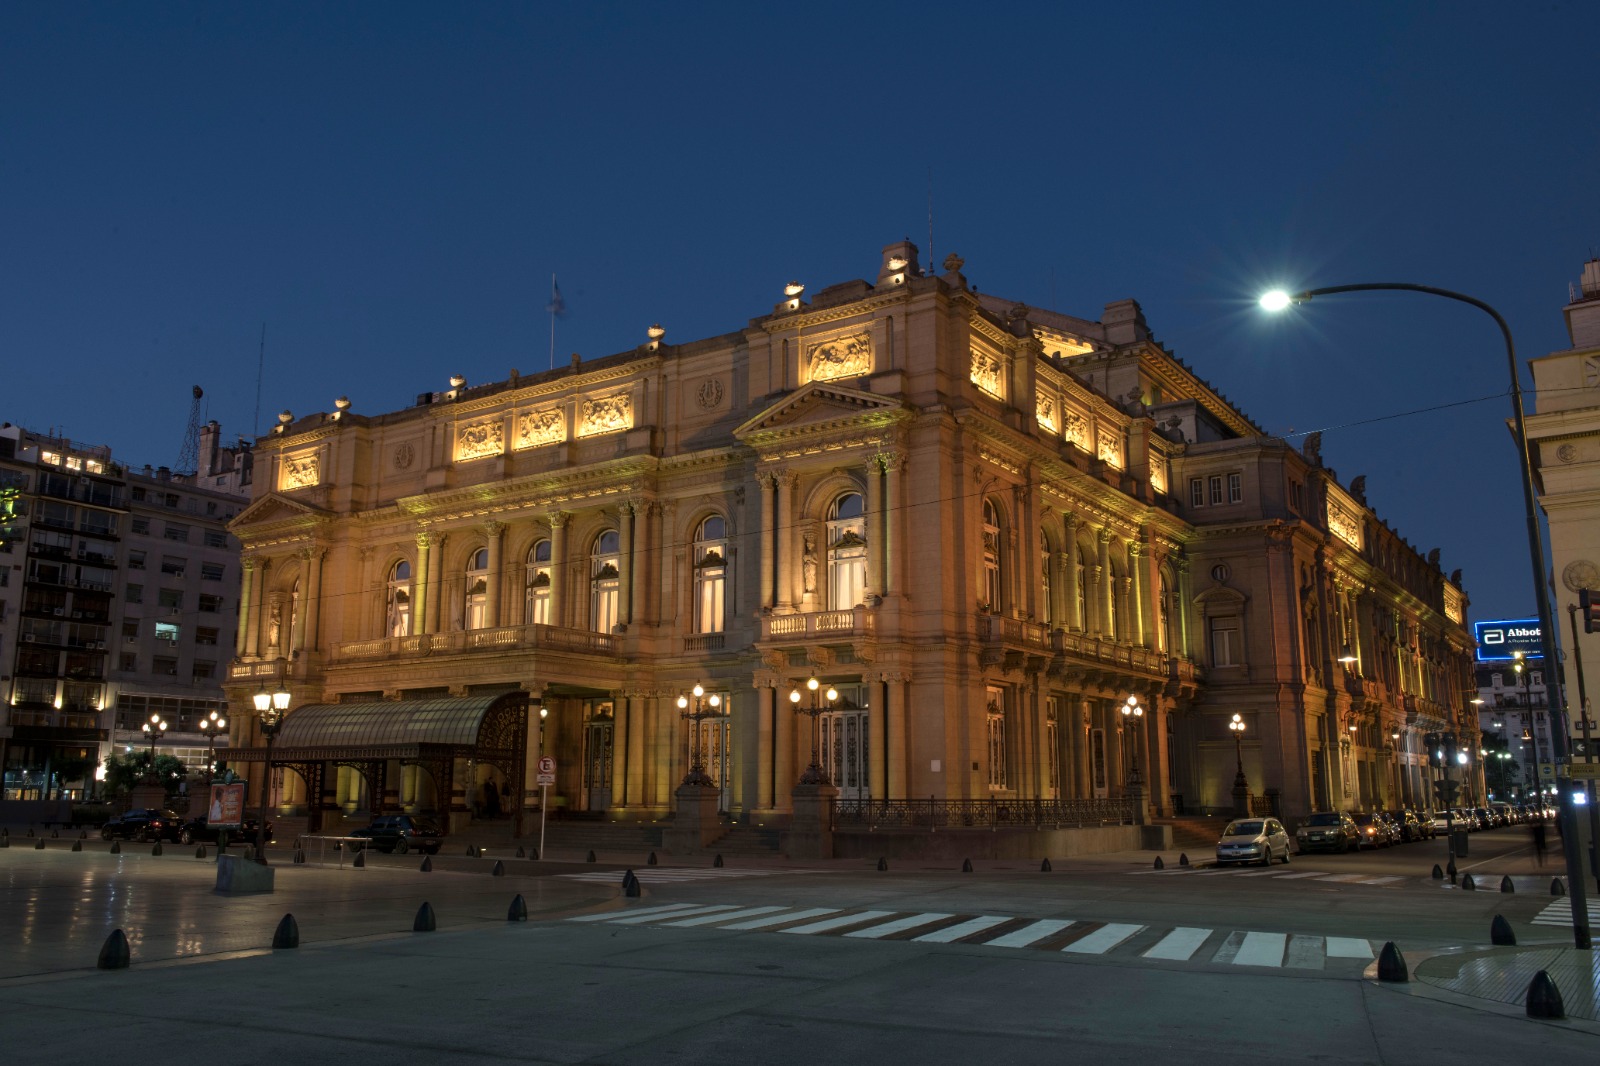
[[1193, 834], [748, 842]]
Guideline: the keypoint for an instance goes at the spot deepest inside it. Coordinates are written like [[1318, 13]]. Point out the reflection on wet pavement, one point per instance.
[[1504, 976]]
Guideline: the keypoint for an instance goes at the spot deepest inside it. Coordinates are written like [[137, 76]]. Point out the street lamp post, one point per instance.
[[154, 730], [1530, 722], [1133, 714], [1278, 301], [213, 726], [270, 708], [820, 703], [695, 711], [1241, 787]]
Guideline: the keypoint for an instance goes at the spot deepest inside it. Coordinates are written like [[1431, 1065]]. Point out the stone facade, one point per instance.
[[985, 526]]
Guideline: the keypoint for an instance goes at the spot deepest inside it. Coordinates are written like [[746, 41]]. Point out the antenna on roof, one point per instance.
[[189, 454]]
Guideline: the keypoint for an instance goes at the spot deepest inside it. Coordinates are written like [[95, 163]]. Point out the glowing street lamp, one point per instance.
[[814, 775], [270, 709]]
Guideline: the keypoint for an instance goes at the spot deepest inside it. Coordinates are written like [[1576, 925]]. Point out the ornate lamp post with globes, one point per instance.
[[695, 822], [213, 726], [270, 709], [1133, 714], [815, 774], [1241, 787], [154, 730], [694, 712]]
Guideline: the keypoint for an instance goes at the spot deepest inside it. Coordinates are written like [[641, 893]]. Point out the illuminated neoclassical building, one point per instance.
[[983, 525]]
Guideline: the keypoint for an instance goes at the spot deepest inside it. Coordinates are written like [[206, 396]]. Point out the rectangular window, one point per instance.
[[206, 637], [172, 564], [203, 670], [171, 499], [1197, 492], [210, 604], [138, 494], [140, 525], [1235, 488], [128, 662], [177, 532], [211, 571], [1297, 496], [130, 630], [171, 599], [163, 665], [134, 594], [1216, 488], [216, 538], [136, 560], [1225, 641], [168, 631]]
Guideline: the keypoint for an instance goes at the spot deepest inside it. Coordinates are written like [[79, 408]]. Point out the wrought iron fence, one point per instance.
[[934, 814]]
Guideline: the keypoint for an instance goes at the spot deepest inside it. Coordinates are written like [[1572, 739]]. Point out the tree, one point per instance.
[[123, 772]]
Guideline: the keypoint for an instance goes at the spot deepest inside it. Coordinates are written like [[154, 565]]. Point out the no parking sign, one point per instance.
[[547, 771]]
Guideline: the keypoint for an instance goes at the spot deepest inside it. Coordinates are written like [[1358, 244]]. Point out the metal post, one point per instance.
[[544, 803], [266, 784], [1588, 748]]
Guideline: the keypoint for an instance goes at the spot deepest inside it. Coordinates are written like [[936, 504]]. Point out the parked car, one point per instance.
[[402, 833], [1253, 840], [1326, 831], [1396, 828], [1372, 831], [1423, 823], [198, 830], [142, 824]]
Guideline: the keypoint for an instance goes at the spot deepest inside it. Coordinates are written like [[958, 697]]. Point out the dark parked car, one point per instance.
[[198, 830], [1326, 831], [1409, 824], [142, 823], [1372, 831], [403, 833]]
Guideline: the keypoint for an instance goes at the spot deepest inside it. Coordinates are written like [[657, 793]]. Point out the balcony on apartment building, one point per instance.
[[817, 626]]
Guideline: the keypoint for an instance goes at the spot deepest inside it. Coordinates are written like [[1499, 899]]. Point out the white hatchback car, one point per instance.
[[1253, 840]]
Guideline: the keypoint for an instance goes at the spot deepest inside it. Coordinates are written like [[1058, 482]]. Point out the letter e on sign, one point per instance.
[[547, 771]]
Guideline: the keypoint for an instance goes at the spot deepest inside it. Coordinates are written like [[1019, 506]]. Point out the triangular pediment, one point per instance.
[[275, 507], [818, 407]]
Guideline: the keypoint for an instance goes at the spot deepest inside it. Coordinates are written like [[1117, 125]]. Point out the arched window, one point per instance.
[[475, 612], [397, 601], [605, 581], [991, 556], [710, 575], [847, 552], [536, 603]]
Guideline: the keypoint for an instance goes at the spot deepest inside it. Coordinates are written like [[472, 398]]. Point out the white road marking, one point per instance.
[[640, 919], [956, 932], [1103, 939], [1179, 944], [1029, 934], [606, 917], [1302, 873], [1342, 877], [1261, 949], [835, 923], [899, 925], [1345, 947], [708, 919], [779, 919]]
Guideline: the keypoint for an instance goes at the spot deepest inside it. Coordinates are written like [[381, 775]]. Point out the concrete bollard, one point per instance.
[[360, 861], [77, 845], [522, 853], [472, 851], [1557, 888], [966, 866], [116, 847], [1159, 865], [1544, 998], [651, 861], [1438, 872], [518, 911], [883, 864], [499, 869], [300, 856], [38, 845], [83, 834], [1506, 885], [716, 863], [425, 922], [1468, 884], [1183, 858], [1500, 932], [114, 954], [287, 934], [30, 830], [630, 885], [200, 852], [427, 863], [1044, 867], [533, 853], [591, 857], [157, 849], [55, 834], [1392, 965]]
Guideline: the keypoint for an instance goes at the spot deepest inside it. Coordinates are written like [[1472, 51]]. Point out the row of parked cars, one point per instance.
[[150, 824]]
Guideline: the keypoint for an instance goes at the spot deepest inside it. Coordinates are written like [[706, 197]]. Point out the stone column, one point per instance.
[[420, 584], [1085, 748], [869, 513], [783, 747], [639, 569], [877, 736], [1071, 619], [894, 466], [244, 641], [897, 743], [1181, 607], [766, 712], [1139, 592], [625, 580], [494, 532], [788, 530], [1108, 586], [558, 567], [621, 740], [766, 485], [313, 605]]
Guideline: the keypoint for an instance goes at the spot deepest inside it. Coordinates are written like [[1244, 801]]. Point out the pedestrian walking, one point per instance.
[[1538, 840]]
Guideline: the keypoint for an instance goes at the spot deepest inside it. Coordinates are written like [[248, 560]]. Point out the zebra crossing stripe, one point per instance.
[[1261, 949], [1302, 873], [828, 924], [899, 925], [1103, 939], [1380, 880], [956, 932], [660, 911], [707, 919], [1345, 947], [1029, 934], [780, 919], [1342, 877], [1559, 912], [1179, 944], [636, 918], [1305, 953]]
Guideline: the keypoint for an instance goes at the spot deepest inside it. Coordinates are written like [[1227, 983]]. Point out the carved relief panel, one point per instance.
[[478, 440], [1048, 414], [1344, 525], [1075, 428], [300, 471], [1110, 447], [847, 356], [607, 414], [987, 373], [538, 428]]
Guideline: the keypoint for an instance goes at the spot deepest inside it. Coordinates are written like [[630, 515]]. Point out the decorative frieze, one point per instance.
[[986, 373], [839, 357], [1110, 449], [1075, 428], [606, 414], [538, 428], [479, 440], [1046, 413], [300, 471]]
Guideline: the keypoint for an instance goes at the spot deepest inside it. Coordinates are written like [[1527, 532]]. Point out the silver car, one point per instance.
[[1253, 840]]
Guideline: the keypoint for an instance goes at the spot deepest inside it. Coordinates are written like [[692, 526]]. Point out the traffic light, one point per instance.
[[1589, 607], [1435, 752], [1449, 740]]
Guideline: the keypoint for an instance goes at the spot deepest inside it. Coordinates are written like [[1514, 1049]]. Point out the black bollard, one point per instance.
[[1544, 999], [1183, 858], [200, 852], [287, 934], [30, 830], [651, 861], [533, 853], [83, 834], [299, 856], [55, 834], [518, 912], [883, 864], [1506, 885], [1044, 867], [116, 847], [425, 922], [360, 861], [472, 851], [157, 849], [716, 863], [966, 866], [5, 840], [1392, 964], [77, 845], [1468, 884], [1500, 931], [522, 853], [1557, 888], [1438, 872], [630, 885], [499, 869], [38, 845], [427, 863], [1159, 864], [114, 954], [591, 857]]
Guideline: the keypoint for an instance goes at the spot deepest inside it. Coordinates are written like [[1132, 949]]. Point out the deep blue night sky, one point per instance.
[[390, 187]]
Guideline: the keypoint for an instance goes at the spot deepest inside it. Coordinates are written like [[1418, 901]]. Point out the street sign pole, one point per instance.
[[544, 796], [546, 778]]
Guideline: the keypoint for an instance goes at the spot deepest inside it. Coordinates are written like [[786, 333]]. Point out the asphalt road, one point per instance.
[[768, 962]]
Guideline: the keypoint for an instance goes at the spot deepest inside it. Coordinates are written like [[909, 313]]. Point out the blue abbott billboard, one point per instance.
[[1500, 641]]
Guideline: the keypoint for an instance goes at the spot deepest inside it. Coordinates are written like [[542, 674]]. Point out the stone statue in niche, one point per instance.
[[274, 625], [808, 562], [1358, 488]]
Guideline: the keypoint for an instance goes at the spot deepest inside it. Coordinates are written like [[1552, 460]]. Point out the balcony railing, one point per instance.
[[703, 642], [505, 638], [818, 625], [935, 814]]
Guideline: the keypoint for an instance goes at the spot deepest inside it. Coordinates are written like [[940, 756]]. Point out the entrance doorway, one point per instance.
[[599, 730]]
